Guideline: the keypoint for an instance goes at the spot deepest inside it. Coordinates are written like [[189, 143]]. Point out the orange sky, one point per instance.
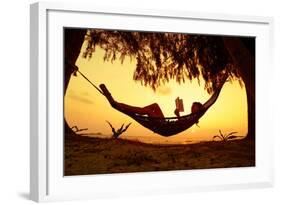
[[86, 108]]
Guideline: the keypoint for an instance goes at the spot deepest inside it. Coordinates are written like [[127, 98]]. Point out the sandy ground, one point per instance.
[[85, 155]]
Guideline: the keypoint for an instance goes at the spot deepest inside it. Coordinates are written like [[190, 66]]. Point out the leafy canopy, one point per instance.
[[164, 56]]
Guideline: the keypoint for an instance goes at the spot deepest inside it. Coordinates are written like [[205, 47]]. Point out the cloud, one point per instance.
[[85, 94], [80, 98], [164, 90]]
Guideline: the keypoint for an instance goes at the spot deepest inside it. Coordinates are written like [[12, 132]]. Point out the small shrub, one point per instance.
[[225, 137]]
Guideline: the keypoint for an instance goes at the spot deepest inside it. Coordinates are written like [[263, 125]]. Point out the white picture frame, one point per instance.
[[47, 182]]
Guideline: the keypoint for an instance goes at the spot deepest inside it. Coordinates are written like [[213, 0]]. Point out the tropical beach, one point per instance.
[[88, 155], [150, 101]]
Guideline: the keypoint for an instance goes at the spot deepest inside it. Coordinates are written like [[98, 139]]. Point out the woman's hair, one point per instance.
[[196, 106]]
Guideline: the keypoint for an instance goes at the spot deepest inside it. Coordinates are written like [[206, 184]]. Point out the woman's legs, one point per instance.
[[152, 110], [130, 108]]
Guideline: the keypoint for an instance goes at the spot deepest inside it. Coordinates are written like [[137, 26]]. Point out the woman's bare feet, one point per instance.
[[107, 94]]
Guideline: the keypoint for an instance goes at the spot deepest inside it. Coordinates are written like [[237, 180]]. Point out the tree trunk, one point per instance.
[[73, 40], [245, 61]]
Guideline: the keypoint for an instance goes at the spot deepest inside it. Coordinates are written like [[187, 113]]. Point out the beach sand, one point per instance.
[[88, 155]]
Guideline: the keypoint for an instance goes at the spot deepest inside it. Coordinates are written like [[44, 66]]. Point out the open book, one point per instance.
[[179, 104]]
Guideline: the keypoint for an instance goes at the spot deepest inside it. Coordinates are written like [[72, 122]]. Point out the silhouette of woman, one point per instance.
[[152, 110]]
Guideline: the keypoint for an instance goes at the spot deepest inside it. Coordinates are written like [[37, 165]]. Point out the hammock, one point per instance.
[[167, 126]]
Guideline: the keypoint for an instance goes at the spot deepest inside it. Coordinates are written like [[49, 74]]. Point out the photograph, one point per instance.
[[148, 101]]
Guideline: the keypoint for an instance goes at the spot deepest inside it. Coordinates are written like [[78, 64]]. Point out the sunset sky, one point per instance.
[[85, 107]]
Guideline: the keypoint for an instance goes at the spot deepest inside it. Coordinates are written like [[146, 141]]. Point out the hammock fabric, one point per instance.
[[169, 126]]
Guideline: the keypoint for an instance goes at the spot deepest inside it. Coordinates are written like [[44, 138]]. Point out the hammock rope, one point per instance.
[[90, 82], [167, 126], [76, 69]]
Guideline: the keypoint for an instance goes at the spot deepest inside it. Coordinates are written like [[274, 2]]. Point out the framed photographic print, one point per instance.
[[127, 102]]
